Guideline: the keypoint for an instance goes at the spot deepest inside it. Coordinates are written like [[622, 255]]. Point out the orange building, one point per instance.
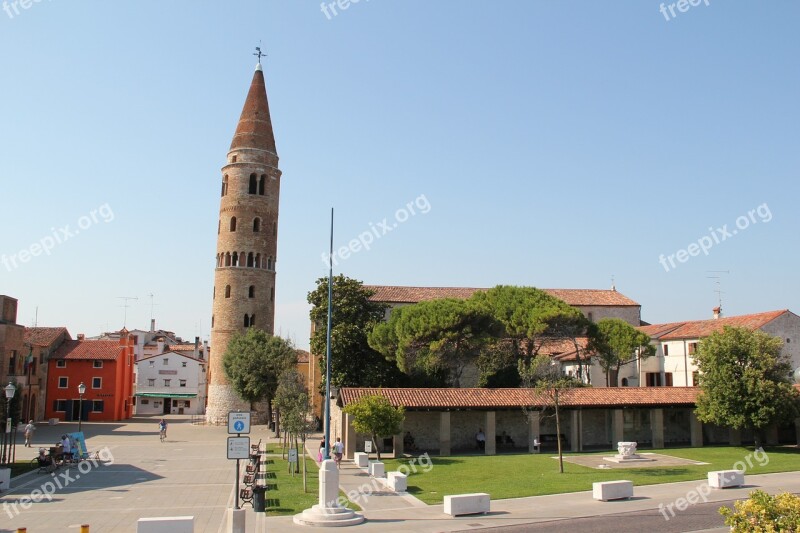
[[105, 367]]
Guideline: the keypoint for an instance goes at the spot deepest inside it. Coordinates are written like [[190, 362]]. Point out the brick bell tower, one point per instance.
[[247, 242]]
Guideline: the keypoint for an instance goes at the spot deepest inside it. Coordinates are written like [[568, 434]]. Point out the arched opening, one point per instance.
[[262, 184], [233, 223], [235, 259], [252, 320], [225, 185], [227, 291], [251, 292], [258, 260], [253, 184], [624, 382], [269, 264], [246, 320], [227, 259], [250, 260], [256, 225]]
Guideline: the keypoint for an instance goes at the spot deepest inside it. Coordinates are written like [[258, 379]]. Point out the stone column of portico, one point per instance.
[[398, 443], [696, 430], [444, 433], [797, 429], [657, 426], [350, 442], [490, 432], [533, 429], [617, 427], [575, 433], [772, 435], [735, 437]]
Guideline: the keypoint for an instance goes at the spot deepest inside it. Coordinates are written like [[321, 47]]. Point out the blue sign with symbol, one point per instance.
[[238, 425]]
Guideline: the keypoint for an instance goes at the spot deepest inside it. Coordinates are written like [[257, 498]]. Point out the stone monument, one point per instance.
[[328, 512], [627, 454]]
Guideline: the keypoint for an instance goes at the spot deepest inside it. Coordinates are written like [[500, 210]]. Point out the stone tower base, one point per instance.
[[221, 400]]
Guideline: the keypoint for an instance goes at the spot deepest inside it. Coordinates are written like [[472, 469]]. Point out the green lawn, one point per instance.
[[285, 494], [20, 467], [514, 476]]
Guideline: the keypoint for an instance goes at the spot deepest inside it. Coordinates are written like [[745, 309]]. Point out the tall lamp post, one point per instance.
[[8, 452], [81, 390]]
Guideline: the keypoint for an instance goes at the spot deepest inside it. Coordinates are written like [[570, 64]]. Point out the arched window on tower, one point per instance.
[[252, 320], [235, 260], [262, 184], [233, 223], [219, 227], [253, 184], [250, 260], [251, 292], [225, 185], [272, 294], [214, 293], [246, 320], [269, 264], [227, 291], [256, 225], [227, 259], [258, 260], [212, 321]]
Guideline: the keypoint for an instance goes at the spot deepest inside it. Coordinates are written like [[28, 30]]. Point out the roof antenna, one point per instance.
[[718, 283], [613, 285], [125, 305]]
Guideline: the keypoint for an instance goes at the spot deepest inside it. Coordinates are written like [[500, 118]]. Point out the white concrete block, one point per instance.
[[397, 482], [612, 490], [5, 479], [461, 504], [237, 521], [166, 524], [376, 469], [361, 459], [723, 479]]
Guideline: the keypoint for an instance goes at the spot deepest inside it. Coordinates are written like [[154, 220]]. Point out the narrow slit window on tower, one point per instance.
[[251, 292], [256, 225], [233, 223], [233, 159], [225, 185], [253, 184], [269, 264], [272, 294], [252, 320], [262, 184], [227, 291], [219, 227], [246, 321]]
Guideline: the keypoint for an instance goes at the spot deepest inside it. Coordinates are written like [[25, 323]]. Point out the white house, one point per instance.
[[172, 382]]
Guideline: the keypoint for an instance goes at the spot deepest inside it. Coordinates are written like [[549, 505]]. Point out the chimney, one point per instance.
[[205, 350], [160, 345], [81, 336], [152, 325], [196, 351], [717, 312]]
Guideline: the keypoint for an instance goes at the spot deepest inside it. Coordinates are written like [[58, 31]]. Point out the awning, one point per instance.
[[165, 395]]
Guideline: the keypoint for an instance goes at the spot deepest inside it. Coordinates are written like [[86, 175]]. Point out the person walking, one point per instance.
[[29, 429], [162, 429], [480, 439], [338, 450]]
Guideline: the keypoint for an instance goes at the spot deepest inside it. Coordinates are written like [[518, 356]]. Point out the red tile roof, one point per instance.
[[516, 398], [303, 356], [43, 336], [88, 350], [183, 347], [698, 329], [575, 297]]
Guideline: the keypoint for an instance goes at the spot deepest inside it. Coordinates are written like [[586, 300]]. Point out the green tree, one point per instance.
[[436, 338], [373, 415], [617, 343], [292, 402], [745, 381], [545, 377], [254, 361], [353, 362], [530, 319], [764, 513]]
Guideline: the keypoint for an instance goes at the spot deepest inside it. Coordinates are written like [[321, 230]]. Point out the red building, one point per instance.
[[104, 367]]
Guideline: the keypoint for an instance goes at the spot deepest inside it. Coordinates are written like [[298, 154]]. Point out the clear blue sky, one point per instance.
[[557, 144]]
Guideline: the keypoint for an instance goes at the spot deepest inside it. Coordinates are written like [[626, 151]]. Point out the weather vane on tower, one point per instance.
[[258, 52]]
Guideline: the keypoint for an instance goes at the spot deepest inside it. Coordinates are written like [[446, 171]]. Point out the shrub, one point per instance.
[[762, 513]]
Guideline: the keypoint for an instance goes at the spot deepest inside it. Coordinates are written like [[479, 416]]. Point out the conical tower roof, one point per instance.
[[255, 126]]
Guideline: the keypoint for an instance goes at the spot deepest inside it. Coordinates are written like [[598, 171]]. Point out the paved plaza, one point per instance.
[[189, 474]]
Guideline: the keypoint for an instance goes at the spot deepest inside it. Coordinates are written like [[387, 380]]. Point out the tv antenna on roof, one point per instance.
[[718, 283], [125, 305]]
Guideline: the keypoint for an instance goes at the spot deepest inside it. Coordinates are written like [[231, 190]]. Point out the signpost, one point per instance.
[[292, 455], [368, 446], [238, 446]]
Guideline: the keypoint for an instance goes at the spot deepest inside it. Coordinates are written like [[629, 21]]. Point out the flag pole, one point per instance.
[[328, 351]]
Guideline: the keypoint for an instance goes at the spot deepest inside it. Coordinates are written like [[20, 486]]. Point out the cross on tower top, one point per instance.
[[259, 53]]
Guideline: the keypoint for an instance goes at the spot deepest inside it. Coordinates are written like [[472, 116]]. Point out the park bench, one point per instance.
[[246, 495], [249, 480], [612, 490], [255, 448], [461, 504]]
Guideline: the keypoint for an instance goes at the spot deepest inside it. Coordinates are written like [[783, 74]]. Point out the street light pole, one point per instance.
[[8, 451], [81, 390]]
